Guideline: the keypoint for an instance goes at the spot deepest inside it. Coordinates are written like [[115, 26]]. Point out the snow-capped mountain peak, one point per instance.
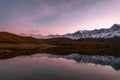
[[115, 27], [114, 31]]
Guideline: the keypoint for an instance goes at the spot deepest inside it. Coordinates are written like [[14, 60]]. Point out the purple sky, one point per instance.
[[57, 16]]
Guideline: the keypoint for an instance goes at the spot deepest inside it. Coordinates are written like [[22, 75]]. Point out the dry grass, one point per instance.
[[13, 41], [6, 37], [24, 46], [85, 46]]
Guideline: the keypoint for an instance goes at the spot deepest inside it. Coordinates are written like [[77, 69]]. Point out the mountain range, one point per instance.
[[12, 44], [111, 32]]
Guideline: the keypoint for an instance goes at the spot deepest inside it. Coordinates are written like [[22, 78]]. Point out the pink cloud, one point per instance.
[[69, 17]]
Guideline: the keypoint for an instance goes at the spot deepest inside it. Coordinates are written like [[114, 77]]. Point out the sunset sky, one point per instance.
[[57, 16]]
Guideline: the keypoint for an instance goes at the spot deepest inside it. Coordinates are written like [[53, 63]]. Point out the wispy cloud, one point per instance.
[[57, 16]]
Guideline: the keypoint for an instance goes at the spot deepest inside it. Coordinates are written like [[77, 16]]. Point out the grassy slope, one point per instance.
[[13, 41], [6, 37], [12, 45], [85, 46]]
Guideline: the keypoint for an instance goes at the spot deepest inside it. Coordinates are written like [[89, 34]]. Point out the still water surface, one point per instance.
[[54, 67]]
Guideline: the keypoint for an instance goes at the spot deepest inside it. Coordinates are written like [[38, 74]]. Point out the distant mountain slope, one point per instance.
[[114, 31], [10, 37], [87, 46], [13, 41]]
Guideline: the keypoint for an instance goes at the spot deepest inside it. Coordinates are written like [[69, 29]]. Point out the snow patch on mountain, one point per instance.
[[114, 31]]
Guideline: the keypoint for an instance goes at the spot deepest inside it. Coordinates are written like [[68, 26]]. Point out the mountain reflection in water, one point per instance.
[[60, 67], [96, 59]]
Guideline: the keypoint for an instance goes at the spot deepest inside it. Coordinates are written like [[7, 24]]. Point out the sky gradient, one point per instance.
[[57, 16]]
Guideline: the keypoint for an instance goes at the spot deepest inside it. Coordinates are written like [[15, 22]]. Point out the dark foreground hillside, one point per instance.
[[85, 46], [10, 42]]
